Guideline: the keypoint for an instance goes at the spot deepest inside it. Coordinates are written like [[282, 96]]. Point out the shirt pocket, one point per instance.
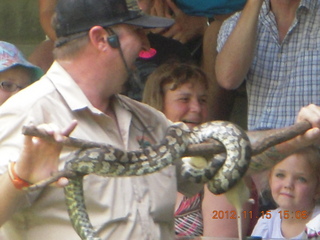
[[107, 199]]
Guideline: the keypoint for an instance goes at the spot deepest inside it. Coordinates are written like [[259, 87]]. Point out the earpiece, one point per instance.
[[113, 39]]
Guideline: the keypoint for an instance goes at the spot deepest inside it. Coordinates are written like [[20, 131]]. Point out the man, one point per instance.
[[97, 44], [272, 45], [94, 56]]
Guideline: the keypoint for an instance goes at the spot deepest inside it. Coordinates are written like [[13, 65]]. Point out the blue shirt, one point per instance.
[[209, 8], [283, 76]]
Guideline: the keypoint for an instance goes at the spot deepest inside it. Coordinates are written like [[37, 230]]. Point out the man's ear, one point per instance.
[[98, 38]]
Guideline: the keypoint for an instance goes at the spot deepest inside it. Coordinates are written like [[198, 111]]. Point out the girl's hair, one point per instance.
[[312, 155], [173, 72]]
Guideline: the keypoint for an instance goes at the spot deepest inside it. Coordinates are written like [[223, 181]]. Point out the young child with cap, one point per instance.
[[16, 72]]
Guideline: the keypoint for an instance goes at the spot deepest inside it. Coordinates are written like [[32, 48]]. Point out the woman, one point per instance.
[[180, 91]]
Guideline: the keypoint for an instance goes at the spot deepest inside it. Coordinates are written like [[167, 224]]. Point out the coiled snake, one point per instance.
[[221, 173]]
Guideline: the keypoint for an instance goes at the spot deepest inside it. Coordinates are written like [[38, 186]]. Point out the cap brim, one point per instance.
[[37, 72], [148, 21]]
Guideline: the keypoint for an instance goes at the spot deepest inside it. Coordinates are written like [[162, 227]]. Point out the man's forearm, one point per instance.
[[272, 155], [236, 56], [11, 198]]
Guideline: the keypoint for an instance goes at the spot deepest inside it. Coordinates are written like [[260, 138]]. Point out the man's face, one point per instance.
[[133, 39]]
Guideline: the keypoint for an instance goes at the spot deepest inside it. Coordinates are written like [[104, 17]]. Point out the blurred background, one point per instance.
[[19, 24]]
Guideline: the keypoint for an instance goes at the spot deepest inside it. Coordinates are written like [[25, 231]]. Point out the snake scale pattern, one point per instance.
[[221, 173]]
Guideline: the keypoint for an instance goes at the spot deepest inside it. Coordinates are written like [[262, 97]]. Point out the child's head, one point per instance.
[[180, 91], [15, 71], [295, 181]]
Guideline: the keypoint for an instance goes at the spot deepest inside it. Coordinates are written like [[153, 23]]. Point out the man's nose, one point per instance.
[[144, 40]]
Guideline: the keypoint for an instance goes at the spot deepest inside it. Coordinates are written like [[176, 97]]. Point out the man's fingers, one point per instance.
[[310, 113], [62, 182], [70, 128]]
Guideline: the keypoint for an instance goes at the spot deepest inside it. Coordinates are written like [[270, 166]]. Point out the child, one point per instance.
[[15, 71], [295, 188]]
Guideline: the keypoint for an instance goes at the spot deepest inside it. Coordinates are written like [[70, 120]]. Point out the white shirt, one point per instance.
[[271, 227], [119, 207]]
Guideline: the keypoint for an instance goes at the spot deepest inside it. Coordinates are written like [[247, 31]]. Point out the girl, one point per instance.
[[295, 188]]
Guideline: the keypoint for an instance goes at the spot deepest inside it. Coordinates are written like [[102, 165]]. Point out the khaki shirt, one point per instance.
[[119, 207]]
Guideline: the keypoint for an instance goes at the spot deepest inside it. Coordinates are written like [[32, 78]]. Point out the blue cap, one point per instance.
[[11, 56]]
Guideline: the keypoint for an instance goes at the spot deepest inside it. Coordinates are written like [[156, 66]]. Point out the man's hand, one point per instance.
[[40, 158], [310, 113]]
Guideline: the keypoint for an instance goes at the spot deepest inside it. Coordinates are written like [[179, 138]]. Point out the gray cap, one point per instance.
[[75, 16]]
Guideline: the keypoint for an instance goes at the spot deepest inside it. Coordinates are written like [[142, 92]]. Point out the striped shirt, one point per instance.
[[188, 220], [283, 76]]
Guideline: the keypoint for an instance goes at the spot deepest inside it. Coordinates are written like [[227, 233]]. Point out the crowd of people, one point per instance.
[[120, 72]]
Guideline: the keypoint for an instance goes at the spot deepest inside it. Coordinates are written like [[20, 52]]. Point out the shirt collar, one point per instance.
[[265, 8], [74, 96], [308, 4], [69, 89]]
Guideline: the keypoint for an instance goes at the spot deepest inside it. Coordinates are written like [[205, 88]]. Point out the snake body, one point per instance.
[[221, 174]]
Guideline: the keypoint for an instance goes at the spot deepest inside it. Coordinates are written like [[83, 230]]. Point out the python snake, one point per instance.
[[221, 173]]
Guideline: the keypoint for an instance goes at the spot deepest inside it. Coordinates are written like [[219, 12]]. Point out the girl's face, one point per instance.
[[294, 184], [187, 103], [12, 81]]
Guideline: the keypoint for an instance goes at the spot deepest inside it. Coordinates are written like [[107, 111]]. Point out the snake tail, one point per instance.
[[77, 209]]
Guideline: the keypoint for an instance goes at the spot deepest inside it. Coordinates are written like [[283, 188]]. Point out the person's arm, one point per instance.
[[38, 159], [220, 99], [46, 11], [11, 198], [235, 57], [273, 155], [218, 213]]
